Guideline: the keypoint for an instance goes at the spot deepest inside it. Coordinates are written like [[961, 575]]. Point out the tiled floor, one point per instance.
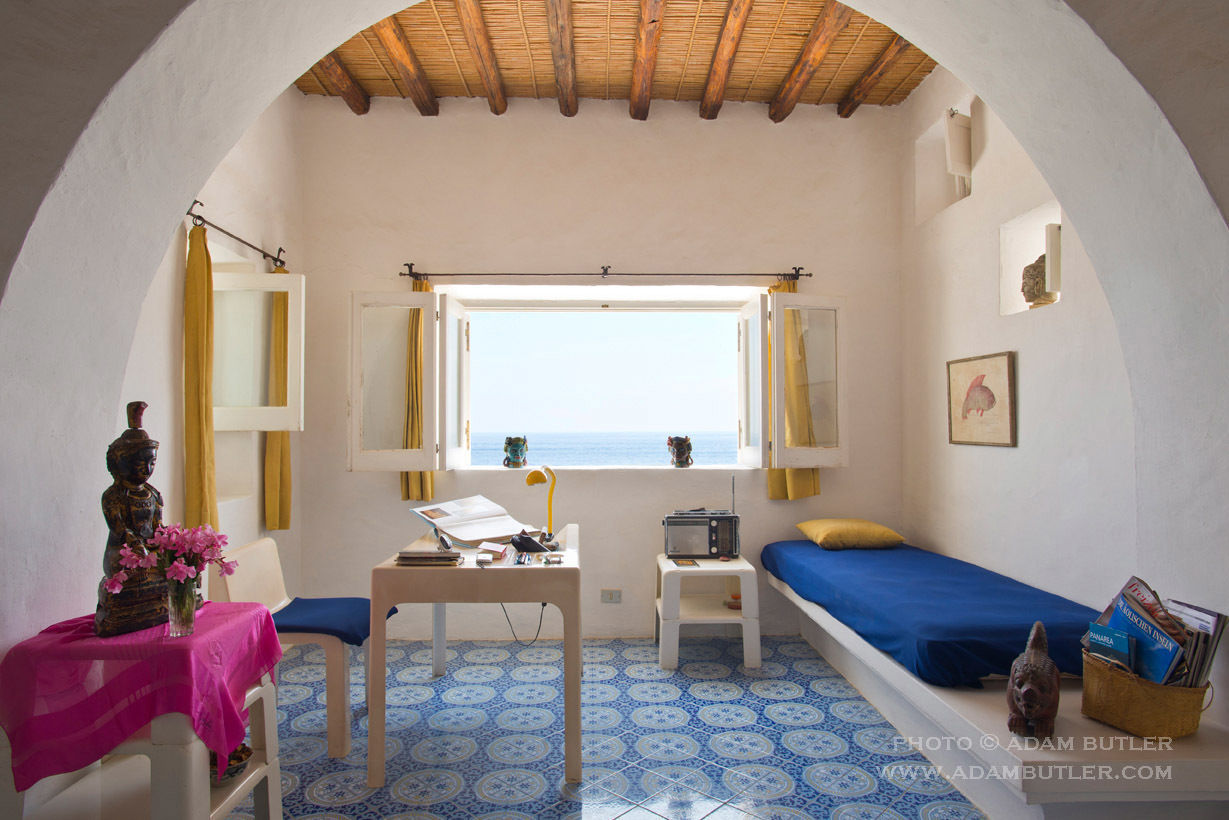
[[789, 740]]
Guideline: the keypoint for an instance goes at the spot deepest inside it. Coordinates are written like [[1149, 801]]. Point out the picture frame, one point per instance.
[[981, 400]]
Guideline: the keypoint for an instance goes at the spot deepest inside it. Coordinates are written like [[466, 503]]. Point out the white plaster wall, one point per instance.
[[1057, 511], [532, 191], [254, 194], [101, 184]]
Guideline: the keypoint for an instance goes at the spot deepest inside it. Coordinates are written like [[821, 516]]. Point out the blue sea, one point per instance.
[[605, 449]]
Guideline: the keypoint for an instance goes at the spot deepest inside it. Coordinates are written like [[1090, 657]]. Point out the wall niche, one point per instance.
[[1030, 260]]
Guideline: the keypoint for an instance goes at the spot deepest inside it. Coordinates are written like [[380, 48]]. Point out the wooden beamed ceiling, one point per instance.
[[780, 52]]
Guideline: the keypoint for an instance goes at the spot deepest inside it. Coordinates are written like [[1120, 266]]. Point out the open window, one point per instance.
[[808, 382], [258, 320], [784, 406], [383, 435]]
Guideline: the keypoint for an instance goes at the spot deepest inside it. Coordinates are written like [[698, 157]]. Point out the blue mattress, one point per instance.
[[947, 621]]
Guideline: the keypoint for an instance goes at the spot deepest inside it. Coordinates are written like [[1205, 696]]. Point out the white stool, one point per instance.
[[179, 785], [674, 608]]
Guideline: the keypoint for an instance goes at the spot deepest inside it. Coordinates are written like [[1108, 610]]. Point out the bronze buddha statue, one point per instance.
[[133, 510]]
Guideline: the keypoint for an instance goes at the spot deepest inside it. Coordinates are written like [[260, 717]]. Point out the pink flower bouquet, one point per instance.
[[180, 552]]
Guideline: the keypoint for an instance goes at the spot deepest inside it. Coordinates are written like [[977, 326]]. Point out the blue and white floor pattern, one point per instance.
[[713, 740]]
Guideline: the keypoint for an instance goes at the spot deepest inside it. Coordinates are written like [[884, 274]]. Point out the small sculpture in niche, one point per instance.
[[680, 450], [516, 451], [1034, 284], [132, 508], [1032, 690]]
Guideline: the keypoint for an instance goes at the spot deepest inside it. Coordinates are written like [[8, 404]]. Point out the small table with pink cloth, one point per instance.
[[68, 697]]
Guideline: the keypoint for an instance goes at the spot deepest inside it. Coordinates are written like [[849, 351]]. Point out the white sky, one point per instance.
[[603, 371]]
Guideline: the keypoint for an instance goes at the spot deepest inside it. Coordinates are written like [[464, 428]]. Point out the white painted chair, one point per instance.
[[330, 622]]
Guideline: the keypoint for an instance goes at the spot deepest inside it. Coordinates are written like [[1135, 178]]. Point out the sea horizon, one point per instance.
[[606, 448]]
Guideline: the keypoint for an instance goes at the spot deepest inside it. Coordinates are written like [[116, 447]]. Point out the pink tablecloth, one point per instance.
[[68, 697]]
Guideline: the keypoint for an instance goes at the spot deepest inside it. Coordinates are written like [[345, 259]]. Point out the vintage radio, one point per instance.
[[701, 534]]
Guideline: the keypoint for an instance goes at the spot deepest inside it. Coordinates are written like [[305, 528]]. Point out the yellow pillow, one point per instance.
[[849, 533]]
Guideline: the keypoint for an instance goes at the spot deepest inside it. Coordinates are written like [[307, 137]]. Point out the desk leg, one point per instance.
[[376, 665], [570, 608], [439, 638]]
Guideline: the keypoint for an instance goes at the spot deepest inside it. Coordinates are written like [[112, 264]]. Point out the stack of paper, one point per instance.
[[1205, 628]]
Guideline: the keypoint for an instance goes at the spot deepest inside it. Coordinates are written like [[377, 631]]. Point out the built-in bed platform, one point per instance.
[[1088, 770]]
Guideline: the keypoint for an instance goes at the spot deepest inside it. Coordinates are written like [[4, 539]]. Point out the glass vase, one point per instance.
[[180, 608]]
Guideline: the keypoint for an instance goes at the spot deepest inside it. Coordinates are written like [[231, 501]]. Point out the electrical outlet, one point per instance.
[[612, 596]]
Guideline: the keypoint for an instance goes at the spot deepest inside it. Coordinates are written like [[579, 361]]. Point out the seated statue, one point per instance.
[[133, 510]]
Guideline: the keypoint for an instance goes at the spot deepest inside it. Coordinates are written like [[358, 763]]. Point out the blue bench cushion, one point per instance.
[[346, 618], [945, 620]]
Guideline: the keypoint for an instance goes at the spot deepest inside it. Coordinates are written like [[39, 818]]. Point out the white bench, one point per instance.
[[1088, 771]]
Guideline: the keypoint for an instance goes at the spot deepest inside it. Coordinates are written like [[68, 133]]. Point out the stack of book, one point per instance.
[[423, 553], [1169, 643]]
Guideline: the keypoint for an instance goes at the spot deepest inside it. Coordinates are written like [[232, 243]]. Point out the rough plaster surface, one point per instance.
[[538, 192], [1150, 227], [1071, 481]]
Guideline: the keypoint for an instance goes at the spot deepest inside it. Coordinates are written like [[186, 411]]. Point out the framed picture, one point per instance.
[[981, 400]]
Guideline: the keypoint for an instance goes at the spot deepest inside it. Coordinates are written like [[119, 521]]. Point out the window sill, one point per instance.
[[664, 468]]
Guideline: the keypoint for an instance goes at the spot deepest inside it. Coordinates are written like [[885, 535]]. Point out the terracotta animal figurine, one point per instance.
[[680, 450], [978, 399], [516, 451], [1032, 691]]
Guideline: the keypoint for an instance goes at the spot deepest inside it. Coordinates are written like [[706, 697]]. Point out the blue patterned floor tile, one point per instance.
[[711, 739], [681, 804], [708, 778]]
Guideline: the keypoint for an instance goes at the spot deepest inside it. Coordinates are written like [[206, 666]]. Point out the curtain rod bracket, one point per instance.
[[410, 272], [200, 221], [605, 271]]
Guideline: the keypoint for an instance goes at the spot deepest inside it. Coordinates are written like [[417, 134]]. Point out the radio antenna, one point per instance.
[[733, 498]]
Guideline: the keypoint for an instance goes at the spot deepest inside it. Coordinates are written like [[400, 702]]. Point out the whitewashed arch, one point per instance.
[[88, 253]]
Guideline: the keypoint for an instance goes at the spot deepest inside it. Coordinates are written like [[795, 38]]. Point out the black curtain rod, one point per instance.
[[606, 273], [199, 220]]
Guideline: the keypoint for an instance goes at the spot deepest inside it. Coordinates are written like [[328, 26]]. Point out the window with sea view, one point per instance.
[[604, 388]]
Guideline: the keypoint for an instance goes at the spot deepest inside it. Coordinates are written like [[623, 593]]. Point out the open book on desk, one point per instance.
[[472, 520]]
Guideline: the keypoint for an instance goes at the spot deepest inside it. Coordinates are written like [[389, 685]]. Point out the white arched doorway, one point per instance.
[[87, 256]]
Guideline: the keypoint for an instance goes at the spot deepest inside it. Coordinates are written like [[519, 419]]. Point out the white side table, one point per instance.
[[675, 608]]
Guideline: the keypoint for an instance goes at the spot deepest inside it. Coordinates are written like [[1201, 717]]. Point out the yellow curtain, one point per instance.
[[200, 480], [793, 483], [415, 486], [277, 442]]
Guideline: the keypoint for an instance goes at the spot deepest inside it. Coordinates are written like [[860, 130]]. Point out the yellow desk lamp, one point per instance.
[[539, 476]]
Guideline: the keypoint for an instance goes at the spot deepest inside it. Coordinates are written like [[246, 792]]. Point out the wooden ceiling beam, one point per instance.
[[736, 15], [342, 83], [559, 26], [479, 40], [832, 20], [648, 36], [390, 34], [867, 82]]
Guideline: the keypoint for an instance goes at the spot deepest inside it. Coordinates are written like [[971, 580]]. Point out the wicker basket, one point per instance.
[[1128, 702]]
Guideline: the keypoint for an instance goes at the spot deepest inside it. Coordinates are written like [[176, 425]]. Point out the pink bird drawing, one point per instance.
[[979, 398]]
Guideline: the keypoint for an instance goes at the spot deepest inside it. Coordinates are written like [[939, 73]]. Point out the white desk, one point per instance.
[[499, 583]]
